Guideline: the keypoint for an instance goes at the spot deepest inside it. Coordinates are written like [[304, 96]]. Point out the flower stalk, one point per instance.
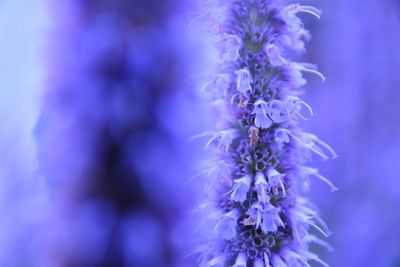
[[257, 196]]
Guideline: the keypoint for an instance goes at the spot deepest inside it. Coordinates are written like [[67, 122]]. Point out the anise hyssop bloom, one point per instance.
[[256, 190]]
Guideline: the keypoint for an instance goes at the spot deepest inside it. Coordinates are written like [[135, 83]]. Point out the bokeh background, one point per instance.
[[99, 98]]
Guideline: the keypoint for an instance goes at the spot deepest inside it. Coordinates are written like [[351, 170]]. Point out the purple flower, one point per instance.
[[229, 45], [275, 180], [240, 188], [218, 261], [261, 187], [218, 86], [277, 111], [226, 227], [266, 218], [241, 261], [274, 55], [255, 214], [244, 80], [281, 136], [271, 219], [261, 118], [223, 138]]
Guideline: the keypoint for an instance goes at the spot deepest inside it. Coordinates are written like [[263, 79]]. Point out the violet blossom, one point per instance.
[[265, 213]]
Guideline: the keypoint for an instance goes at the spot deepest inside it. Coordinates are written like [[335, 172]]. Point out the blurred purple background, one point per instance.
[[98, 100], [358, 112]]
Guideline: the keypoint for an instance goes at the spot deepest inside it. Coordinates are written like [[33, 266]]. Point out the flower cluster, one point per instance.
[[256, 193]]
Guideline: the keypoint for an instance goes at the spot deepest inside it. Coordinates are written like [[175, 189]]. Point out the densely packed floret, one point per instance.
[[256, 189]]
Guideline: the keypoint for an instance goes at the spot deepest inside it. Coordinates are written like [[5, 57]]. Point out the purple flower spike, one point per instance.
[[264, 217]]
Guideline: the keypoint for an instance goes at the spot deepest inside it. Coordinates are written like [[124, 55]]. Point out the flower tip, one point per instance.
[[319, 74], [311, 10], [318, 13]]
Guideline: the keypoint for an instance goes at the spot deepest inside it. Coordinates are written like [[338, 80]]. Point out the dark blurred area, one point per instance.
[[111, 138]]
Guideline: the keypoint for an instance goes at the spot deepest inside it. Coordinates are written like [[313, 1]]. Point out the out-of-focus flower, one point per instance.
[[113, 131]]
